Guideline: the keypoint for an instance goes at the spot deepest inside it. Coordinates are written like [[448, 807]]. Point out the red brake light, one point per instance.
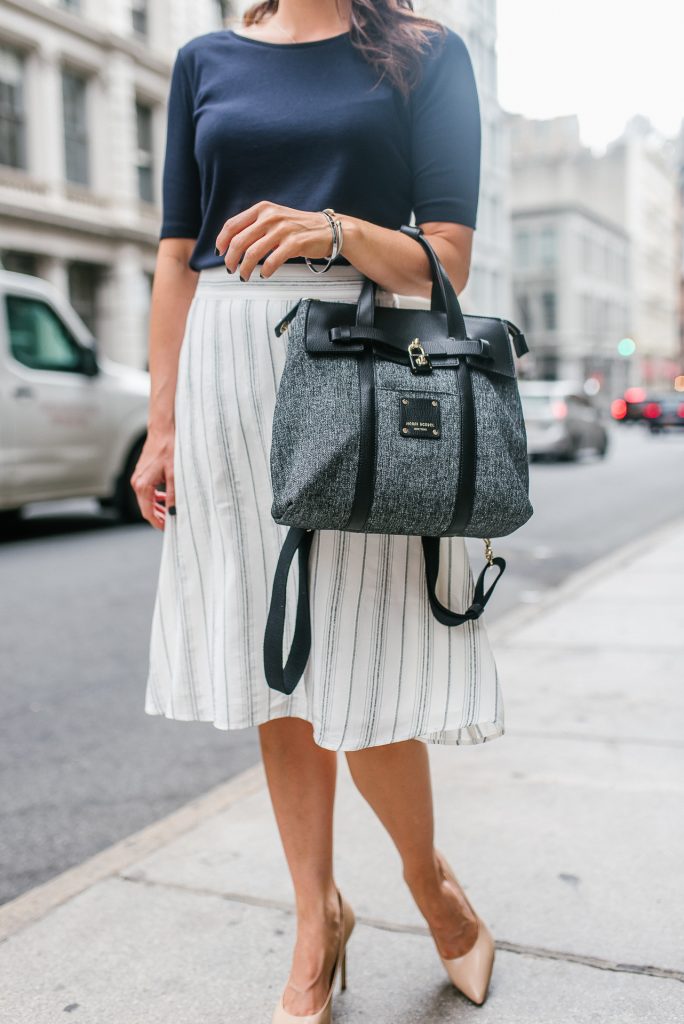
[[635, 395], [618, 409], [652, 410], [559, 410]]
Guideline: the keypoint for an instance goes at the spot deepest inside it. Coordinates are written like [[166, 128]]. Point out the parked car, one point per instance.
[[662, 412], [72, 421], [561, 420], [629, 408]]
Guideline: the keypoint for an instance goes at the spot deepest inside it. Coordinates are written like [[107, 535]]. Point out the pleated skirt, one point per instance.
[[382, 669]]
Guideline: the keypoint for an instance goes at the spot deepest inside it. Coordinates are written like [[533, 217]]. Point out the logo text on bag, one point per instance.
[[420, 417]]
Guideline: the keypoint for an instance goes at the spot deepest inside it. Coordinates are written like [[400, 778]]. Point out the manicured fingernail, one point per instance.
[[172, 510], [242, 278], [216, 251], [229, 270]]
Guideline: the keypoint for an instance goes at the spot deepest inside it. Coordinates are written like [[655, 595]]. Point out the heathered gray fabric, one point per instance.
[[502, 476], [414, 490], [314, 457], [315, 451]]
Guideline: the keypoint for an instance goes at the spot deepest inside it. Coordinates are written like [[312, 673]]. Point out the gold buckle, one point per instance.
[[418, 357], [489, 554]]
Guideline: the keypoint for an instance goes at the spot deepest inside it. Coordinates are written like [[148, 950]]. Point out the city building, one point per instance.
[[676, 157], [595, 254], [83, 88]]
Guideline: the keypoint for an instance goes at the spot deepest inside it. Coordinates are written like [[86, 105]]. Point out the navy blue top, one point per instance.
[[300, 124]]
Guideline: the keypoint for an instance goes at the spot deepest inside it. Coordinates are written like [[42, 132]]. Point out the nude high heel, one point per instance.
[[471, 972], [324, 1015]]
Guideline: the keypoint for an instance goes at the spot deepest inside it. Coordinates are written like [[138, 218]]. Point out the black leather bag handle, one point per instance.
[[443, 297]]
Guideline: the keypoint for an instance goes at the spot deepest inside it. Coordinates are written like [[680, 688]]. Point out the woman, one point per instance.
[[369, 110]]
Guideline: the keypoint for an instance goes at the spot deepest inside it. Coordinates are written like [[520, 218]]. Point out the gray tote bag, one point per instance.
[[394, 420]]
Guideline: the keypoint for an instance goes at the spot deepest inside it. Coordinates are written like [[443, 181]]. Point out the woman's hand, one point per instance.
[[153, 469], [270, 228]]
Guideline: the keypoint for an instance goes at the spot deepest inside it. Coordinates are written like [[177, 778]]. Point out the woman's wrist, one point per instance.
[[160, 423], [352, 232]]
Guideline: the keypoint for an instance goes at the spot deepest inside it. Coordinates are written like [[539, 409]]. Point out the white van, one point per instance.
[[72, 422]]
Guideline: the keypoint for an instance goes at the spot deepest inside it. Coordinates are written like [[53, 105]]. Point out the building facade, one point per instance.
[[595, 256], [83, 88]]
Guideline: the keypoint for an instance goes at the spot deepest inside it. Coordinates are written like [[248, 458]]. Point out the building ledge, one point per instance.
[[78, 25]]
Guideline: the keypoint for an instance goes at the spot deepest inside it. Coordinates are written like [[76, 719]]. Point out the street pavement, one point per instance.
[[567, 834]]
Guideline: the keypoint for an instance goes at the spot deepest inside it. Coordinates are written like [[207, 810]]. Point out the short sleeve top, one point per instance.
[[308, 125]]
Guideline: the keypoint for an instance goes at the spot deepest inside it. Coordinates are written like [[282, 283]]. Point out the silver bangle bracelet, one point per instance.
[[337, 239]]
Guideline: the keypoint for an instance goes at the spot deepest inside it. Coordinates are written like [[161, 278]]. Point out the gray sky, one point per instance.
[[603, 60]]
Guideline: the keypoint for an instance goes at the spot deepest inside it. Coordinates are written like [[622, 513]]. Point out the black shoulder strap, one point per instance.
[[279, 677], [285, 678], [480, 595]]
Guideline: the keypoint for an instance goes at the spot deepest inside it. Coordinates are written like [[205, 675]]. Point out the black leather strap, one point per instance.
[[480, 595], [467, 465], [519, 341], [365, 473], [285, 678], [443, 297], [457, 347], [279, 677]]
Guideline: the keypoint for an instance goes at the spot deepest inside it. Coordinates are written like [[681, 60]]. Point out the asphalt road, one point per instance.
[[82, 765]]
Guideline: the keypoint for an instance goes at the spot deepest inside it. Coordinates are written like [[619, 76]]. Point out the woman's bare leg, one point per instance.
[[301, 779], [395, 780]]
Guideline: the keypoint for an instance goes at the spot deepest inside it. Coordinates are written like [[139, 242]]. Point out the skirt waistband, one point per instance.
[[290, 280]]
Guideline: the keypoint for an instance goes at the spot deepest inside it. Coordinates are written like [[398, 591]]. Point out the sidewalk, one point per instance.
[[568, 833]]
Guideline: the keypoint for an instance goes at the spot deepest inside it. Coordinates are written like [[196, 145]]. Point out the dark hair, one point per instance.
[[386, 32]]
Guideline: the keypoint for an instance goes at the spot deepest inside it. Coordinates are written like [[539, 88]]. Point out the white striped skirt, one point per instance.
[[382, 669]]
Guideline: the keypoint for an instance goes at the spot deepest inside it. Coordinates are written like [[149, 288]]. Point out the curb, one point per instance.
[[516, 618], [35, 904], [31, 906]]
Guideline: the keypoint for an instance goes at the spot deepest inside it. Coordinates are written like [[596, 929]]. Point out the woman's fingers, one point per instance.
[[270, 228], [153, 483], [170, 488]]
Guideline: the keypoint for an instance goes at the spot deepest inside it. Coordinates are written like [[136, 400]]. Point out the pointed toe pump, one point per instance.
[[324, 1015], [471, 972]]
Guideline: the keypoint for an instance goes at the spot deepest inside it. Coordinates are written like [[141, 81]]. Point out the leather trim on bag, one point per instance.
[[468, 456], [365, 476]]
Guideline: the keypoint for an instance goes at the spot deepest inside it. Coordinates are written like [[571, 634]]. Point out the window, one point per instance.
[[524, 314], [19, 262], [547, 365], [74, 88], [522, 248], [12, 113], [549, 310], [548, 246], [145, 155], [84, 279], [139, 17], [38, 338]]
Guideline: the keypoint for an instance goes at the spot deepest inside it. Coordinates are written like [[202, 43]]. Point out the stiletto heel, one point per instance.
[[471, 972], [324, 1015], [343, 972]]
